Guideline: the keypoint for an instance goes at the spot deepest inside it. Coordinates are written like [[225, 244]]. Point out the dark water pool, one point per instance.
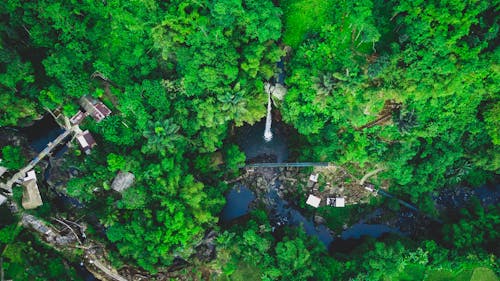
[[373, 230], [251, 140], [281, 214], [237, 201], [42, 132]]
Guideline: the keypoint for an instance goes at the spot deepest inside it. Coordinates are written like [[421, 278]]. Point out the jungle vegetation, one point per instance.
[[409, 86]]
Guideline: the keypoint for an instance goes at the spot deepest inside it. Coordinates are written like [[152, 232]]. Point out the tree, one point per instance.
[[12, 158]]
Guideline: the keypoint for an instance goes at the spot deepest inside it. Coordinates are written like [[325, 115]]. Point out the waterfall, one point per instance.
[[268, 135]]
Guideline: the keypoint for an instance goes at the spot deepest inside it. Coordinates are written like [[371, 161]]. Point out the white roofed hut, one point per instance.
[[340, 202], [313, 201], [336, 202], [314, 178]]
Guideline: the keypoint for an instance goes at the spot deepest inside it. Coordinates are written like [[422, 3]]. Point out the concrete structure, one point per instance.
[[31, 194], [86, 141], [122, 181], [94, 108], [313, 201], [30, 175]]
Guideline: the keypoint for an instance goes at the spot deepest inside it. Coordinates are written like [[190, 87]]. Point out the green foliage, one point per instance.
[[302, 17], [16, 86], [476, 230], [9, 233], [25, 258], [408, 85], [12, 157], [493, 122], [234, 158], [345, 84], [428, 261]]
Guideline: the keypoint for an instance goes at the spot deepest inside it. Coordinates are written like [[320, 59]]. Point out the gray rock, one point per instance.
[[319, 219], [122, 181]]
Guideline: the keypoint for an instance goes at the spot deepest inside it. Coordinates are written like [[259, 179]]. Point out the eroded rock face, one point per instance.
[[123, 181]]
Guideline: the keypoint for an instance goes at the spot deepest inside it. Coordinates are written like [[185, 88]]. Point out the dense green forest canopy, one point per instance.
[[411, 87]]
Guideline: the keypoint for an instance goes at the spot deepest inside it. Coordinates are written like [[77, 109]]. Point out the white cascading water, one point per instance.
[[268, 135]]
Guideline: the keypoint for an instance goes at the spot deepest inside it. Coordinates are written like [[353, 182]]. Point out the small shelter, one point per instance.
[[313, 201], [330, 201], [336, 202], [78, 118], [339, 202], [314, 178], [94, 108], [86, 141], [122, 181], [31, 194]]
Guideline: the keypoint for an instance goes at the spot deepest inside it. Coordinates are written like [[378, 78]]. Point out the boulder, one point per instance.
[[319, 219], [123, 181]]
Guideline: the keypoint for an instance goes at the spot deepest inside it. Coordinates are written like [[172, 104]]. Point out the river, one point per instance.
[[282, 213]]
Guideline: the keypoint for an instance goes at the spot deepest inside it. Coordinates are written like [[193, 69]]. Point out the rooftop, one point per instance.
[[31, 195], [313, 201], [94, 108], [86, 141]]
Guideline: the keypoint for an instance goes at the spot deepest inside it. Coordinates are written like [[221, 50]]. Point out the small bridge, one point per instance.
[[50, 146], [278, 165]]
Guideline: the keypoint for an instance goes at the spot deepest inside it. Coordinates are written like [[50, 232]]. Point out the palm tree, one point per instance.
[[162, 137]]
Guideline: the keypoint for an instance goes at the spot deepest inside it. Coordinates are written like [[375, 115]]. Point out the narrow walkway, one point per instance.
[[50, 146], [297, 164], [107, 271], [406, 204]]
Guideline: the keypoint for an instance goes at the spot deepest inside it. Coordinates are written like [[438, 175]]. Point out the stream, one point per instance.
[[281, 212]]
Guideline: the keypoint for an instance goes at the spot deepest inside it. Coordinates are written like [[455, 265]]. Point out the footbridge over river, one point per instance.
[[69, 129]]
